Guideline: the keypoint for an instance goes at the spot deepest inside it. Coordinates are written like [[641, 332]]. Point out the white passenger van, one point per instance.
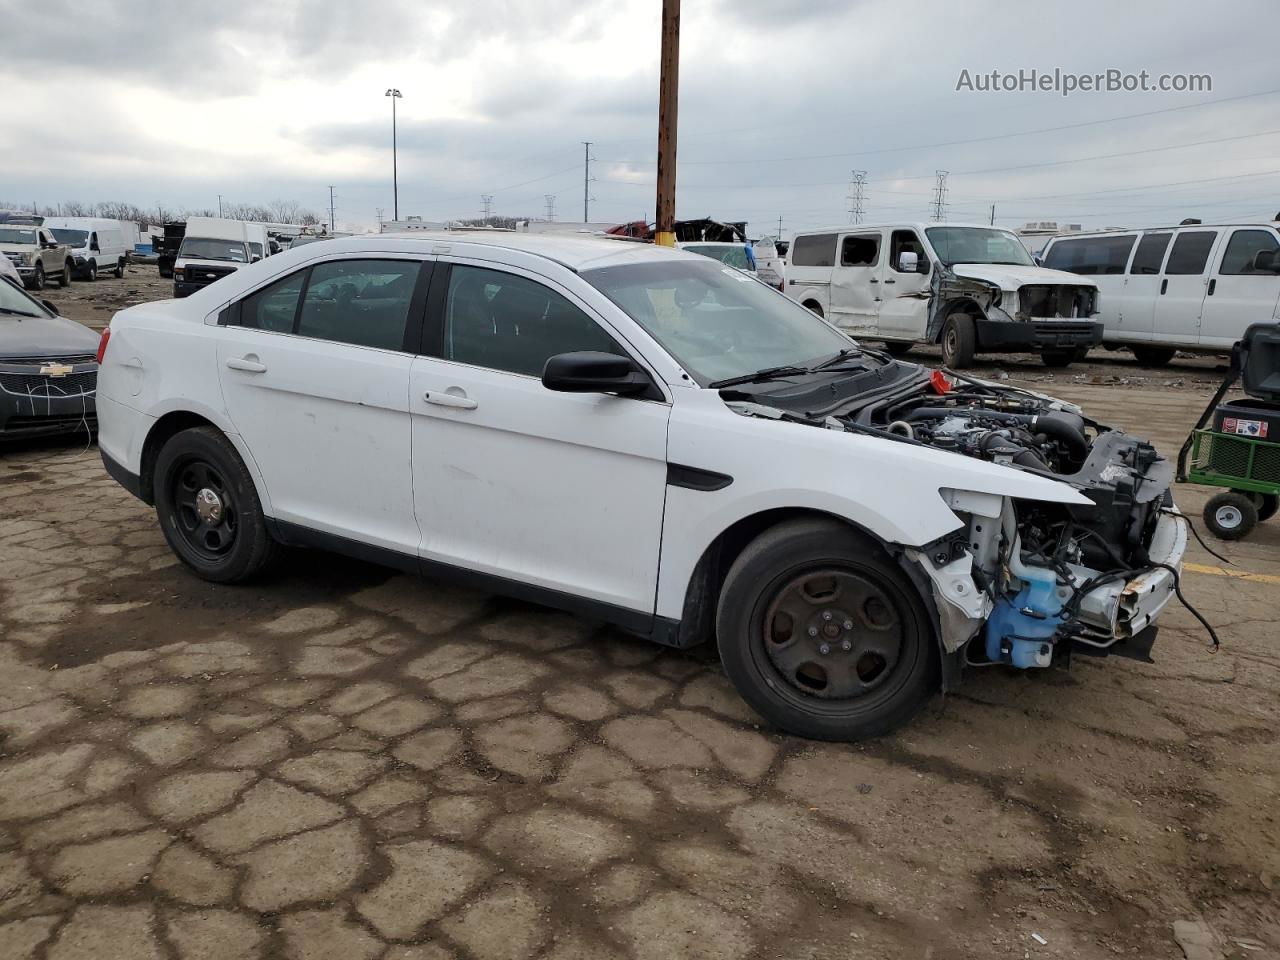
[[211, 248], [96, 244], [1191, 287], [972, 288], [259, 242]]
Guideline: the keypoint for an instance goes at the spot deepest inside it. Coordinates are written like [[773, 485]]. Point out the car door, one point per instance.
[[1244, 288], [812, 257], [315, 378], [1181, 295], [855, 283], [1132, 317], [904, 306], [560, 491]]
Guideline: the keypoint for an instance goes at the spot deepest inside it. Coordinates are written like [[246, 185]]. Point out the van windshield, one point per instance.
[[978, 245], [197, 248], [14, 235], [72, 238]]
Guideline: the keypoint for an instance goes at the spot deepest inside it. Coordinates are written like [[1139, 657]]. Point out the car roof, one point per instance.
[[575, 251], [893, 225], [1122, 231]]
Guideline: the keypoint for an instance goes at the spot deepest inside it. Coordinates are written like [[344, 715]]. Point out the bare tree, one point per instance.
[[284, 211]]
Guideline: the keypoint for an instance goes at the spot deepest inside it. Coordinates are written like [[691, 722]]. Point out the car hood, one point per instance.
[[44, 336], [1008, 276]]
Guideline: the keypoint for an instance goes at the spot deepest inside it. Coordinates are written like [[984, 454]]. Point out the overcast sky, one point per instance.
[[780, 100]]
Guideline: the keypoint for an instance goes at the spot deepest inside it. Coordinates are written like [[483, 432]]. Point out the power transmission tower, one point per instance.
[[331, 224], [379, 209], [939, 213], [857, 194], [586, 180], [487, 200], [779, 226], [551, 205]]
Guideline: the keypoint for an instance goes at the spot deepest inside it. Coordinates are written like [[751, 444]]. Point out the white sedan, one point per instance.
[[647, 437]]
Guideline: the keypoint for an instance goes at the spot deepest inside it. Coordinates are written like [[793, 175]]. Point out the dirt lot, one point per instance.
[[348, 763]]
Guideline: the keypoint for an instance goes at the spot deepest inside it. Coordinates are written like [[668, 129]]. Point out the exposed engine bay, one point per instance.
[[1035, 579]]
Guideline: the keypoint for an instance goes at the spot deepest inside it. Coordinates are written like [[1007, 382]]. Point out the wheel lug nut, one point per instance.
[[813, 631], [826, 615], [824, 649], [848, 624], [846, 646]]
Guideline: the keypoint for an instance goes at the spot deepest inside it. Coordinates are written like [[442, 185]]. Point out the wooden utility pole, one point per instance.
[[668, 97]]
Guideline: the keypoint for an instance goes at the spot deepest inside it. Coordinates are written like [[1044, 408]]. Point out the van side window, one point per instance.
[[1091, 256], [1190, 253], [1150, 253], [861, 251], [814, 250], [905, 241], [1251, 253]]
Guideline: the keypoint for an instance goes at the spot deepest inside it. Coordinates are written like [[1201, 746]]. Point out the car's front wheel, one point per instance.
[[37, 279], [64, 278], [959, 341], [823, 634], [208, 507]]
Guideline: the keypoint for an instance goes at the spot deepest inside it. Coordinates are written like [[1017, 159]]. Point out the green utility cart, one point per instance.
[[1241, 450]]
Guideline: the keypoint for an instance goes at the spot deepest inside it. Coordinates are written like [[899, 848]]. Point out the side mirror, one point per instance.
[[1264, 261], [1038, 261], [50, 245], [588, 371], [255, 258], [908, 262]]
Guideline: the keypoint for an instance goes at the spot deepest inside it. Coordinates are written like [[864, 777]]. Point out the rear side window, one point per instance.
[[1150, 253], [861, 251], [1190, 253], [274, 307], [1250, 253], [361, 302], [814, 250], [1091, 256]]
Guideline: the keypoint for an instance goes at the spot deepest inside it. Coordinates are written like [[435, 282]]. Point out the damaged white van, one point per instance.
[[646, 437], [971, 288]]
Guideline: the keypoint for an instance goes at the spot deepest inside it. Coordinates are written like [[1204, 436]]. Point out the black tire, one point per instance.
[[1153, 356], [64, 278], [1057, 359], [224, 539], [783, 680], [1230, 515], [814, 307], [1266, 503], [959, 341], [37, 280], [119, 270], [898, 348], [91, 270]]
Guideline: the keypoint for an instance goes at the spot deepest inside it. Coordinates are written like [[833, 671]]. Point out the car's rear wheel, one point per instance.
[[959, 341], [119, 271], [1230, 515], [823, 634], [1153, 356], [209, 509]]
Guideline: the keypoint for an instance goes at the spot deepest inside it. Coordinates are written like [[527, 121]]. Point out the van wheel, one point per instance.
[[897, 348], [1231, 515], [91, 270], [1058, 359], [823, 634], [119, 271], [959, 341], [811, 305], [37, 281], [64, 278], [209, 509], [1153, 356]]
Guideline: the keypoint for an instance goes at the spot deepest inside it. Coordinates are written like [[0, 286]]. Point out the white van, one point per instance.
[[211, 248], [972, 288], [96, 244], [1191, 287], [259, 242]]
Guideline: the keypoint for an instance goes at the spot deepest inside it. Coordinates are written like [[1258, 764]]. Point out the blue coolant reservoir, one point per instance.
[[1020, 631]]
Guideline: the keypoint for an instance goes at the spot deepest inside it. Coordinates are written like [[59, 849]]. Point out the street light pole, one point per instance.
[[395, 95]]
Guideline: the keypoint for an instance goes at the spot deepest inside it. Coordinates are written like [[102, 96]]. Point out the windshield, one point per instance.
[[716, 322], [978, 245], [15, 303], [72, 238], [196, 248], [14, 235], [734, 255]]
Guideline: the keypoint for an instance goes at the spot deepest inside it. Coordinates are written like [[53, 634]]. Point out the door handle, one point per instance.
[[247, 364], [445, 399], [1213, 285], [1164, 285], [891, 281], [873, 280]]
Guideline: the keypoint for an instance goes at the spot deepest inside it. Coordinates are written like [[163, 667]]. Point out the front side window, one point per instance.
[[814, 250], [1190, 253], [978, 245], [1091, 256], [1150, 254], [905, 241], [361, 302], [716, 322], [1251, 253], [506, 322], [863, 251]]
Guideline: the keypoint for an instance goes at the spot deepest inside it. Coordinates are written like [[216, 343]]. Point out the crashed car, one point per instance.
[[646, 437]]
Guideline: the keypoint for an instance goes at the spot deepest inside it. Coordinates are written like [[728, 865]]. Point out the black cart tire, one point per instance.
[[119, 271], [1267, 504], [208, 508], [823, 634], [959, 341], [898, 348], [1153, 356], [1230, 515]]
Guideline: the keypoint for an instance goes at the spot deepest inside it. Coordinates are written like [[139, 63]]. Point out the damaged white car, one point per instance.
[[648, 438]]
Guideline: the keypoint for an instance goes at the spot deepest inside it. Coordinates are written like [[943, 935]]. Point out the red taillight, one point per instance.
[[102, 344]]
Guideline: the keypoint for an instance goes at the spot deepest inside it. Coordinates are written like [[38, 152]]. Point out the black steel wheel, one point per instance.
[[208, 507], [823, 634], [1230, 515]]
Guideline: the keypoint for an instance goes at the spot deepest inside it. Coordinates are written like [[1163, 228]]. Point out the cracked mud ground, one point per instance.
[[343, 763]]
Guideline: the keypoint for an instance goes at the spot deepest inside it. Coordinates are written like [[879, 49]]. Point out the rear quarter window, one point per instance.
[[814, 250]]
